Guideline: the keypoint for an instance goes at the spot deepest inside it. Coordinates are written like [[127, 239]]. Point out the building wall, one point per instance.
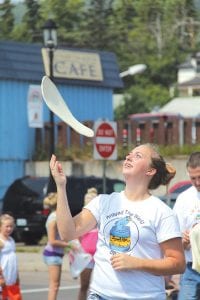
[[18, 139]]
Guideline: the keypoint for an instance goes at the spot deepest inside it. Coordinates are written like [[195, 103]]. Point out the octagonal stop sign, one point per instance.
[[105, 140]]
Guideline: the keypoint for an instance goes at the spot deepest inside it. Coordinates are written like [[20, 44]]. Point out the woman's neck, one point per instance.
[[136, 194]]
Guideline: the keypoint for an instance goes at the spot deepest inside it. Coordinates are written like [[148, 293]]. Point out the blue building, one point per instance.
[[21, 65]]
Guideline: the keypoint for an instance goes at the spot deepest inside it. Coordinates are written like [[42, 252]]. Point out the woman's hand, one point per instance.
[[123, 262], [57, 171]]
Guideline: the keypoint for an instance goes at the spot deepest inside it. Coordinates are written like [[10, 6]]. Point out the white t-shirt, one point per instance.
[[8, 261], [187, 208], [135, 228], [50, 250]]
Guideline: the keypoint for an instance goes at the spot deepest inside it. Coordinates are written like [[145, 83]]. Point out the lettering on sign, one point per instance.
[[74, 65], [105, 140]]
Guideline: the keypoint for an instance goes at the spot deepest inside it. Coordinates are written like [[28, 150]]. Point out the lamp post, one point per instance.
[[133, 70], [50, 42]]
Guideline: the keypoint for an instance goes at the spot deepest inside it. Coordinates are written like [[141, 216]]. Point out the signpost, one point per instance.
[[105, 133], [105, 140]]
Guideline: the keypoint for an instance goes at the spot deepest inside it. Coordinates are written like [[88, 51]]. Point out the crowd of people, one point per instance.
[[137, 242]]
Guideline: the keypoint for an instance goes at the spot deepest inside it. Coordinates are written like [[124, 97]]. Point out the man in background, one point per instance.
[[187, 208]]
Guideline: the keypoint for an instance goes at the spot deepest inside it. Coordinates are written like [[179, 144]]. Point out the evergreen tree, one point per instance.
[[32, 20], [68, 16], [6, 19]]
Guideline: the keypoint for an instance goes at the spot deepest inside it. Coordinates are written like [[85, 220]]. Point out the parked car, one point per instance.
[[174, 191], [24, 200]]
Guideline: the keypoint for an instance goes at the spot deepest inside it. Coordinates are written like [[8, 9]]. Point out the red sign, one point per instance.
[[105, 140]]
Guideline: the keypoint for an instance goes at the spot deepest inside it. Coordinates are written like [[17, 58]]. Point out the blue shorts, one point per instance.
[[93, 296], [90, 265], [52, 260]]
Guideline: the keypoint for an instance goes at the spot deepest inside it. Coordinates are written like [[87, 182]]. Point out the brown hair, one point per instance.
[[164, 171], [193, 160]]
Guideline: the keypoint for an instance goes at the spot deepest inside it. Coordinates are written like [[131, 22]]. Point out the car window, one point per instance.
[[38, 185]]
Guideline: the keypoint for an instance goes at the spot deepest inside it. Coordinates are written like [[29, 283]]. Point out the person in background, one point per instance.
[[88, 242], [187, 208], [9, 275], [139, 239], [54, 250]]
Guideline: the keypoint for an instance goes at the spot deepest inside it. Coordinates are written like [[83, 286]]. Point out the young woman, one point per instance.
[[54, 250], [139, 240]]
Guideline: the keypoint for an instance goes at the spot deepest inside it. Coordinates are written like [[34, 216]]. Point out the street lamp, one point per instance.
[[133, 70], [50, 42]]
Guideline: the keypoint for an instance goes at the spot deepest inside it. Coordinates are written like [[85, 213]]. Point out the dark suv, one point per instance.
[[24, 200]]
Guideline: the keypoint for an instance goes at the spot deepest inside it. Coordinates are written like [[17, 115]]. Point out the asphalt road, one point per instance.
[[34, 276], [34, 285]]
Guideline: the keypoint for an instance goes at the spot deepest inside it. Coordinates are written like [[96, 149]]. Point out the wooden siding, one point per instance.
[[21, 65], [10, 170], [18, 139], [88, 103]]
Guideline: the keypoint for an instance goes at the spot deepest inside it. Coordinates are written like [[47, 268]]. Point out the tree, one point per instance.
[[29, 29], [6, 20], [97, 25], [68, 15], [160, 37], [32, 20], [142, 96], [157, 33]]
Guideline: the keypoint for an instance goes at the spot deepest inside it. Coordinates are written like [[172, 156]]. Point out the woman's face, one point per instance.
[[138, 161]]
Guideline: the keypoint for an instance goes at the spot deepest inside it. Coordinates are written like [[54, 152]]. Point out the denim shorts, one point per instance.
[[52, 260], [94, 296], [90, 265]]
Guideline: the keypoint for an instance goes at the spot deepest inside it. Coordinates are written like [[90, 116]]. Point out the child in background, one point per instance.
[[88, 243], [54, 250], [9, 277]]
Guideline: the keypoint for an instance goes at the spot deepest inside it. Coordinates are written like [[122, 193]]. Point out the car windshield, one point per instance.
[[38, 186]]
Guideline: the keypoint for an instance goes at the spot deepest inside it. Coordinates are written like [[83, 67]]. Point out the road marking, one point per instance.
[[72, 287]]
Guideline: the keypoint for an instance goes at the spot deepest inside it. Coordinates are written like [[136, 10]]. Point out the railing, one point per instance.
[[171, 131]]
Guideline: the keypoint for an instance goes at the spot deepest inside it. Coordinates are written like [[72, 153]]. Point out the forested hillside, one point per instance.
[[159, 33]]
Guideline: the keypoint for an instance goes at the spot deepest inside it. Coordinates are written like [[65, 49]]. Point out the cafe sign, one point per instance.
[[74, 64]]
